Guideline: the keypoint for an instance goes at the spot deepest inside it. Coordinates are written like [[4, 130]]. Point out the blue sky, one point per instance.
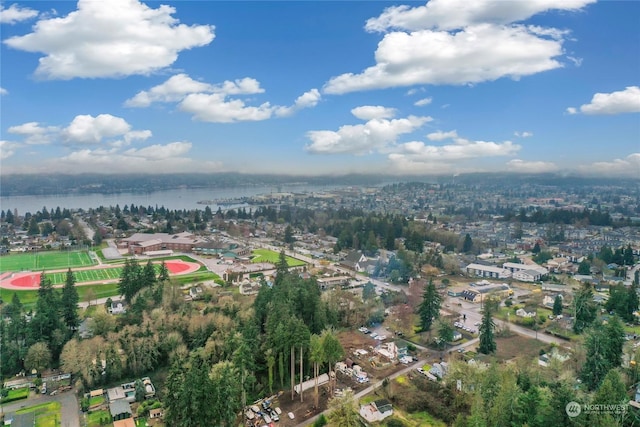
[[311, 87]]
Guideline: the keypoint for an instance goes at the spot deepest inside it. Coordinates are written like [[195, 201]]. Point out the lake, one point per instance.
[[184, 198]]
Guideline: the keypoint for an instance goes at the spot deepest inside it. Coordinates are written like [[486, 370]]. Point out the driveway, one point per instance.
[[69, 408]]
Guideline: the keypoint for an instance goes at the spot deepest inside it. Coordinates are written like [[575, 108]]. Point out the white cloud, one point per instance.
[[372, 136], [82, 129], [308, 99], [369, 112], [34, 133], [7, 149], [624, 101], [418, 157], [172, 90], [215, 108], [522, 166], [168, 158], [15, 14], [3, 91], [422, 102], [92, 130], [459, 42], [453, 14], [414, 90], [441, 136], [177, 87], [629, 167], [110, 39], [479, 53], [524, 134], [214, 103], [86, 129], [161, 152]]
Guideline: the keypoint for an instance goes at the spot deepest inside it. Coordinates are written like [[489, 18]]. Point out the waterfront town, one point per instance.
[[379, 258]]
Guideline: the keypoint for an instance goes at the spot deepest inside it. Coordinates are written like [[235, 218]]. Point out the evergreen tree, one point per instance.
[[130, 279], [343, 411], [628, 255], [429, 309], [632, 302], [487, 343], [190, 395], [557, 305], [148, 276], [467, 245], [445, 332], [597, 363], [584, 308], [615, 339], [46, 323], [282, 268], [584, 267], [34, 229], [536, 248], [69, 303], [163, 274]]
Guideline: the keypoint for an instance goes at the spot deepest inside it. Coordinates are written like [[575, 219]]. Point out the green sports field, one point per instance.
[[50, 260], [265, 255], [100, 274]]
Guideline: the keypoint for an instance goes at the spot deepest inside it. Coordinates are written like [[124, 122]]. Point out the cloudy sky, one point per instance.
[[311, 87]]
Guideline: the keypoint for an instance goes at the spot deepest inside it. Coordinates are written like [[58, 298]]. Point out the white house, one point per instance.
[[117, 307], [376, 411], [488, 271]]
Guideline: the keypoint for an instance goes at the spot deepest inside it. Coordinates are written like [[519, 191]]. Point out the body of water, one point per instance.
[[184, 198]]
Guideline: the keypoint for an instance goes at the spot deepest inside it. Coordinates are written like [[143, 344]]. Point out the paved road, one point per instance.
[[368, 390], [472, 310], [100, 301], [70, 410]]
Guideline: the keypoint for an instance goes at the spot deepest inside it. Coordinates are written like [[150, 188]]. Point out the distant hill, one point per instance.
[[23, 185]]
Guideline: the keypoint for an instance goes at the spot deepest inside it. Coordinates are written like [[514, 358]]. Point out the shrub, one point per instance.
[[394, 422], [321, 421]]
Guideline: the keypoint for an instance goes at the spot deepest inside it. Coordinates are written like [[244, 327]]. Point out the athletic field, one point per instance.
[[49, 260], [265, 255]]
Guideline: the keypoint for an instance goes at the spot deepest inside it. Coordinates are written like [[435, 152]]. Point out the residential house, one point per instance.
[[156, 413], [120, 409], [376, 411], [355, 261], [117, 307], [487, 271], [526, 272], [195, 292], [521, 312], [127, 422]]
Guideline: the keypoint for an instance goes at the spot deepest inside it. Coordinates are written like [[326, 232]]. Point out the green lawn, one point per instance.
[[29, 298], [17, 394], [47, 414], [96, 400], [94, 418], [46, 260], [265, 255]]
